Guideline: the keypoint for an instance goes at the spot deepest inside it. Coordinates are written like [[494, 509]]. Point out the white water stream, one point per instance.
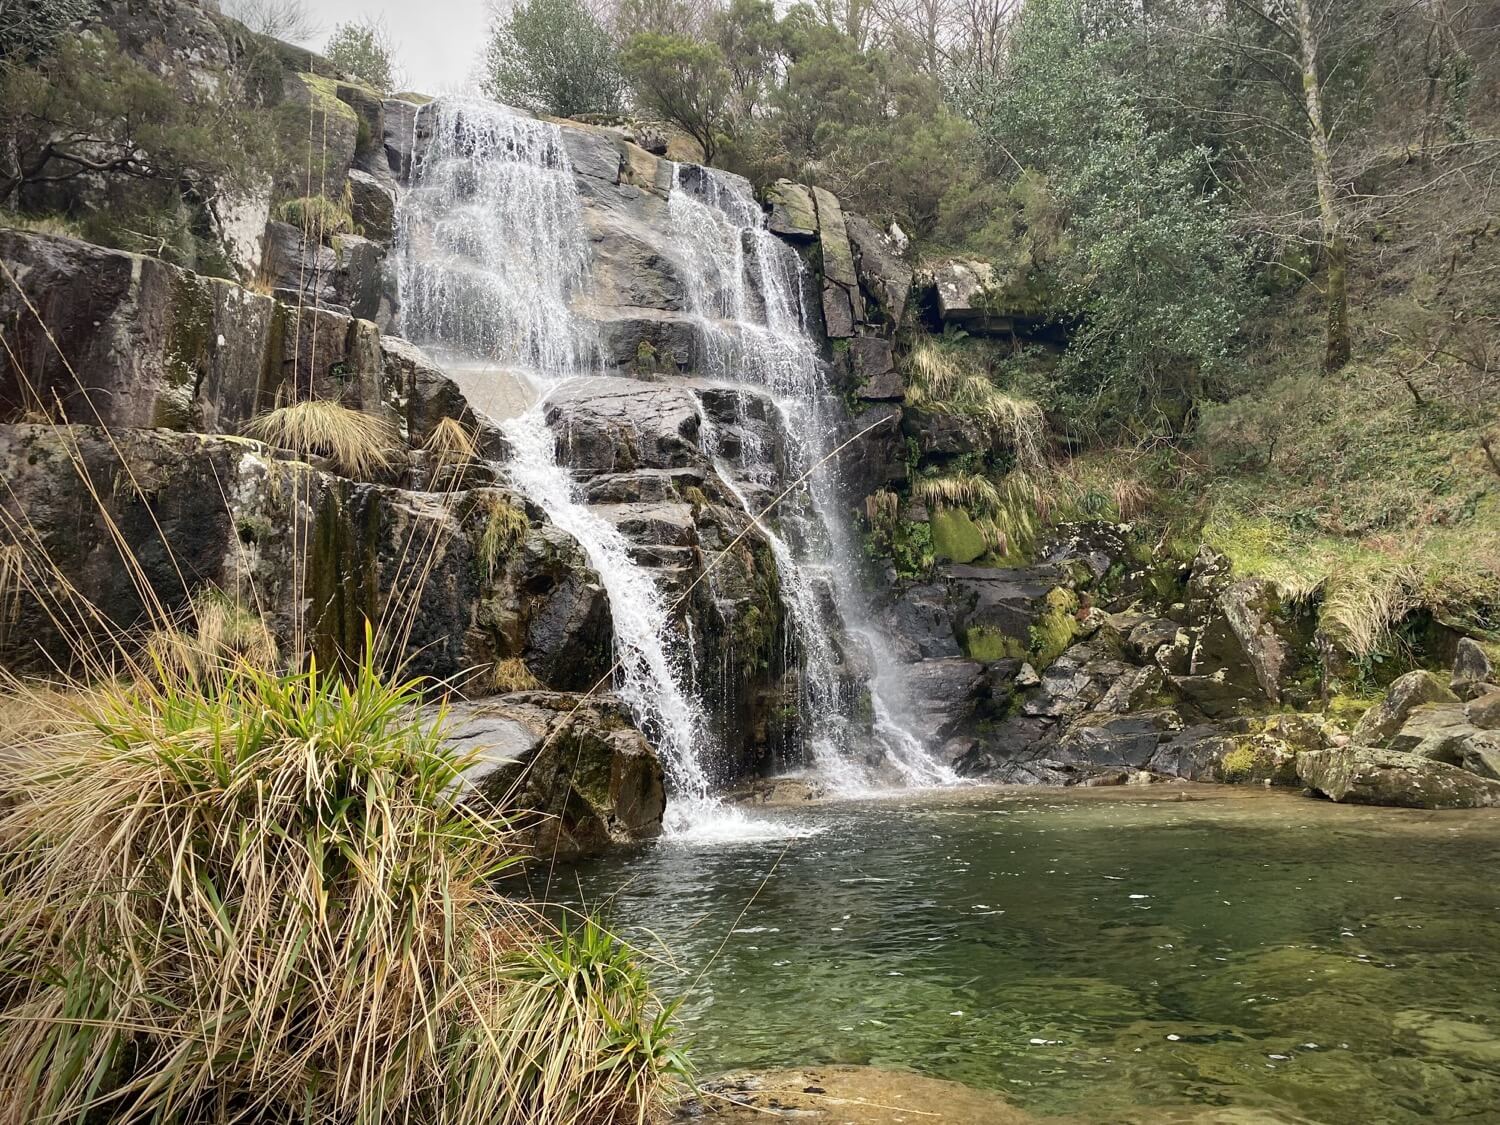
[[492, 254]]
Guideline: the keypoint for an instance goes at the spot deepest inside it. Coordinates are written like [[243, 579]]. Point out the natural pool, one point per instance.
[[1176, 953]]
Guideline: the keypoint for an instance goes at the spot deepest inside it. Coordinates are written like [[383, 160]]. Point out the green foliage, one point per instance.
[[363, 48], [89, 114], [684, 80], [552, 56], [1151, 279], [503, 529]]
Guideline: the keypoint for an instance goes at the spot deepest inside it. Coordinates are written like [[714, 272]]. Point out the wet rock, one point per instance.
[[1136, 688], [401, 135], [152, 345], [1150, 635], [373, 205], [1216, 695], [573, 772], [608, 425], [777, 792], [942, 695], [1073, 683], [1191, 754], [1099, 741], [875, 369], [1381, 722], [1471, 669], [1365, 775]]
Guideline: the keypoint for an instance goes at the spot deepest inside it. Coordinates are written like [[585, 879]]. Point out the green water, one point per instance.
[[1113, 956]]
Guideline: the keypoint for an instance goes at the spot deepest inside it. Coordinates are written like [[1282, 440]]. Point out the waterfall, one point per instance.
[[744, 287], [493, 258], [492, 242], [492, 252]]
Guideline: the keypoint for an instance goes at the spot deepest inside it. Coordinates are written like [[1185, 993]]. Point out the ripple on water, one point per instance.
[[1290, 961]]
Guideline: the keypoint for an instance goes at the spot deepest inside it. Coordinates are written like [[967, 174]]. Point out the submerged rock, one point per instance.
[[1365, 775], [848, 1095]]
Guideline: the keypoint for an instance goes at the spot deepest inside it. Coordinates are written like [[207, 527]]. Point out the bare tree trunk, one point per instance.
[[1335, 250]]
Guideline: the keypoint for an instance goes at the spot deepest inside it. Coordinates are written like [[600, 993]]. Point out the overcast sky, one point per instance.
[[437, 41]]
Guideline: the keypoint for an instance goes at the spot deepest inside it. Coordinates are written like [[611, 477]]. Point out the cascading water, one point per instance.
[[744, 286]]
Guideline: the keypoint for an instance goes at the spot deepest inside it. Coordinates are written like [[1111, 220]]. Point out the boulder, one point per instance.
[[1111, 742], [573, 773], [1480, 753], [875, 370], [1484, 709], [1434, 730], [1471, 669], [963, 287], [1366, 775], [1381, 722], [792, 212]]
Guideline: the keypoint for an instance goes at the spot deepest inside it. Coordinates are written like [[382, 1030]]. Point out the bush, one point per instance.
[[251, 896], [363, 49], [357, 442]]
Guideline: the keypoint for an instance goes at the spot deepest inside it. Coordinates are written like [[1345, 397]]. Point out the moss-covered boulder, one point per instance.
[[1366, 775]]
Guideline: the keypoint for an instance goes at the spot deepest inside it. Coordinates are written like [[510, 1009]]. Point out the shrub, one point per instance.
[[363, 49], [260, 897], [358, 443]]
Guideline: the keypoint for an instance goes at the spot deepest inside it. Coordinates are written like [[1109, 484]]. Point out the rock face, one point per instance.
[[581, 776], [1364, 775], [244, 521]]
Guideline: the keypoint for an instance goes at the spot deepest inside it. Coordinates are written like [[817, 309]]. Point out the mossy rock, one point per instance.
[[955, 537]]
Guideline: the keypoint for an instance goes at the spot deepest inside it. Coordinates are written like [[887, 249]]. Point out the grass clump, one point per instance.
[[503, 530], [254, 896], [358, 443], [939, 380], [223, 631], [452, 443], [319, 216]]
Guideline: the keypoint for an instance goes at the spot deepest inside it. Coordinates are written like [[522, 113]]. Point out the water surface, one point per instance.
[[1112, 955]]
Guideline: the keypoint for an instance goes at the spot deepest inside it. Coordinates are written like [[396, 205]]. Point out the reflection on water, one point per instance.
[[1115, 956]]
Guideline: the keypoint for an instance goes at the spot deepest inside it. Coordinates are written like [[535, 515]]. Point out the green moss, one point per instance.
[[1239, 763], [987, 645], [1056, 628], [325, 97], [955, 537]]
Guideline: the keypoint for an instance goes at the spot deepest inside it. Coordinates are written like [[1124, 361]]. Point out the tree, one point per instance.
[[279, 19], [363, 49], [685, 81], [553, 56], [29, 28], [90, 111], [1153, 283]]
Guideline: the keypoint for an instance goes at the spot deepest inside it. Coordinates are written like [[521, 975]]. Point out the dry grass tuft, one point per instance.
[[512, 674], [451, 443], [224, 634], [939, 381], [358, 443], [969, 491]]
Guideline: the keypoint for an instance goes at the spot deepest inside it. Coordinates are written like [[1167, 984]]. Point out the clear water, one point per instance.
[[1116, 956]]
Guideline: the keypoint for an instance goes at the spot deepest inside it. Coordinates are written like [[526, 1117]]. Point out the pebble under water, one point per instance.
[[1179, 953]]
